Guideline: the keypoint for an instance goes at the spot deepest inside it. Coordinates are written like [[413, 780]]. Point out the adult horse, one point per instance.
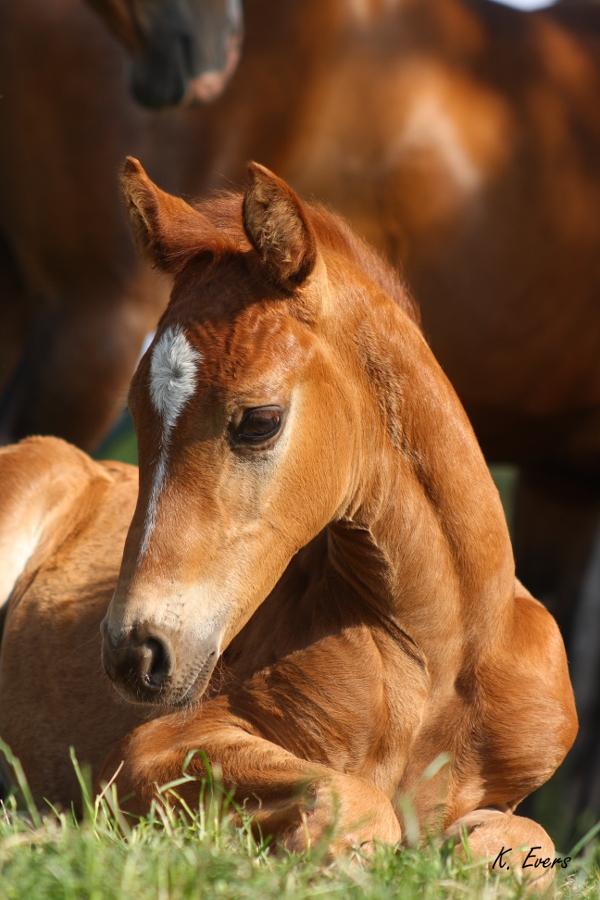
[[314, 510], [458, 135]]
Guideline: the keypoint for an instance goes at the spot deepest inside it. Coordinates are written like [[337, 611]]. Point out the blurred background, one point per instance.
[[460, 137]]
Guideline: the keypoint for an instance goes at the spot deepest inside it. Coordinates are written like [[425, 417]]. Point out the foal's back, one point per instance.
[[63, 522]]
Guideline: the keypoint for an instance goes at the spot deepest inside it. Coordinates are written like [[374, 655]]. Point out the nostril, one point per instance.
[[155, 662]]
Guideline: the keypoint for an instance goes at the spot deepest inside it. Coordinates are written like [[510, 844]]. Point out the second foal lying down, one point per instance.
[[317, 587]]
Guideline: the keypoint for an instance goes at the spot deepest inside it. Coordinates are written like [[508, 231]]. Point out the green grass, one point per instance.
[[121, 443], [167, 858], [505, 479], [202, 854]]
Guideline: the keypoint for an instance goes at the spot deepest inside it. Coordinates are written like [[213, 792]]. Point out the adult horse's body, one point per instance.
[[462, 138], [459, 136], [314, 510]]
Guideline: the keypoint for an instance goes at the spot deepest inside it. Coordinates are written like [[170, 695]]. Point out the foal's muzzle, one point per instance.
[[142, 666]]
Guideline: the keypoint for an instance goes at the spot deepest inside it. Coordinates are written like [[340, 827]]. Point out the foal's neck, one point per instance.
[[426, 539]]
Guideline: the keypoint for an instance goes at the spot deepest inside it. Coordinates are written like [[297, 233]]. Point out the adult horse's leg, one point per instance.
[[13, 313], [557, 552], [556, 516], [298, 803], [73, 375]]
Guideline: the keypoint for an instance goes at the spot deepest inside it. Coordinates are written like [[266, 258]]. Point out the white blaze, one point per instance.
[[172, 377], [172, 383]]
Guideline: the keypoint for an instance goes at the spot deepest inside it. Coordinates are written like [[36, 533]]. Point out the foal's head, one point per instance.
[[254, 414]]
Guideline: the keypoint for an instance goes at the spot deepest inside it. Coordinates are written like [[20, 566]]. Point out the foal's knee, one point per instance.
[[346, 813]]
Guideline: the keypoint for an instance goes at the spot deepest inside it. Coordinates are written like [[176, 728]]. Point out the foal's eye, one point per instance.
[[258, 425]]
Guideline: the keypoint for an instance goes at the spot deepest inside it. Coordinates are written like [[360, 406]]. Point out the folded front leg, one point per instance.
[[510, 843], [298, 803]]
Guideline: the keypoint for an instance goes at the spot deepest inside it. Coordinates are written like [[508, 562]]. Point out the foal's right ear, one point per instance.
[[166, 229], [278, 228]]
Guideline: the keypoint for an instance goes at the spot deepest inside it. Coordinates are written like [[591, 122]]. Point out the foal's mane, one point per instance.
[[224, 212]]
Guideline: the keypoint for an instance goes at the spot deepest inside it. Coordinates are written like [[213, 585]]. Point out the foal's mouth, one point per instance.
[[197, 687], [168, 696]]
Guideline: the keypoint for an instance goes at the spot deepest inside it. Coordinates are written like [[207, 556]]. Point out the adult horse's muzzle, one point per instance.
[[189, 54], [142, 664]]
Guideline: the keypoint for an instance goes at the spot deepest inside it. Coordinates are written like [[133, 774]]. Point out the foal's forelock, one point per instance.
[[173, 370]]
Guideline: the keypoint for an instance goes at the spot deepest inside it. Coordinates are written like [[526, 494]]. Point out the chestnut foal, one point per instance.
[[317, 587]]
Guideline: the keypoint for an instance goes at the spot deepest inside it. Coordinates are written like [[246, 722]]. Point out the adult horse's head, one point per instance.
[[183, 50], [247, 408]]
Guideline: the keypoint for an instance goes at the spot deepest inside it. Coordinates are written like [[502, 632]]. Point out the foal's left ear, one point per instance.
[[166, 229], [278, 228]]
